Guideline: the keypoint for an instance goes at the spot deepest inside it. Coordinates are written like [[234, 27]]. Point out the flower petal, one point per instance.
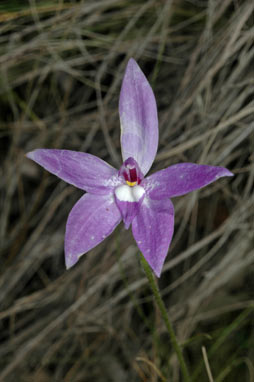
[[128, 200], [90, 221], [138, 117], [153, 229], [83, 170], [182, 178]]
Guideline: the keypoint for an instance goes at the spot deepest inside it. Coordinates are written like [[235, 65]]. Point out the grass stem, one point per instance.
[[165, 317]]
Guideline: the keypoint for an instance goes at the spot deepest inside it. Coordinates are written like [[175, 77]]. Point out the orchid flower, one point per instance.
[[115, 195]]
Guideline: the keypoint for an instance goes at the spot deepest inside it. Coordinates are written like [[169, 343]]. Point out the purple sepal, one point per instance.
[[181, 178], [90, 221], [84, 171], [138, 117], [153, 229]]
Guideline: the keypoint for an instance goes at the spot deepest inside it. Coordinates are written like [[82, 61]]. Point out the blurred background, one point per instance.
[[61, 67]]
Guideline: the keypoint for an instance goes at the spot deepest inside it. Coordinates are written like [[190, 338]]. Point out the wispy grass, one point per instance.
[[61, 66]]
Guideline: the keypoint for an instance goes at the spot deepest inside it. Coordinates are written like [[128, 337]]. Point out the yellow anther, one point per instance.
[[131, 183]]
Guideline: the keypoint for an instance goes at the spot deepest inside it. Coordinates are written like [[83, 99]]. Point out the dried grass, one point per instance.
[[61, 66]]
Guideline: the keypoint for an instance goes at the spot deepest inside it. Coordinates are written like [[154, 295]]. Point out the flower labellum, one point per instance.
[[112, 196]]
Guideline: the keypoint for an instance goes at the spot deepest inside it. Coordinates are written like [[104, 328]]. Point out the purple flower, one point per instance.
[[112, 195]]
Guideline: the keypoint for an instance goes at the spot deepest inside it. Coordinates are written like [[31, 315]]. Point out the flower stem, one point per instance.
[[164, 314]]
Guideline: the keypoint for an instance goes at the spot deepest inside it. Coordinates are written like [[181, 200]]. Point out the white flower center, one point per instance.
[[126, 193]]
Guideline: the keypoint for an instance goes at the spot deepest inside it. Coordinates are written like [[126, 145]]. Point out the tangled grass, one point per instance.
[[61, 66]]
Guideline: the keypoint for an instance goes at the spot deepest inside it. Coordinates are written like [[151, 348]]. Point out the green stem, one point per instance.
[[164, 314]]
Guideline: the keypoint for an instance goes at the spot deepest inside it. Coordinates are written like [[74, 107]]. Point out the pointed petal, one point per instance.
[[128, 200], [90, 221], [83, 170], [153, 229], [138, 117], [182, 178]]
